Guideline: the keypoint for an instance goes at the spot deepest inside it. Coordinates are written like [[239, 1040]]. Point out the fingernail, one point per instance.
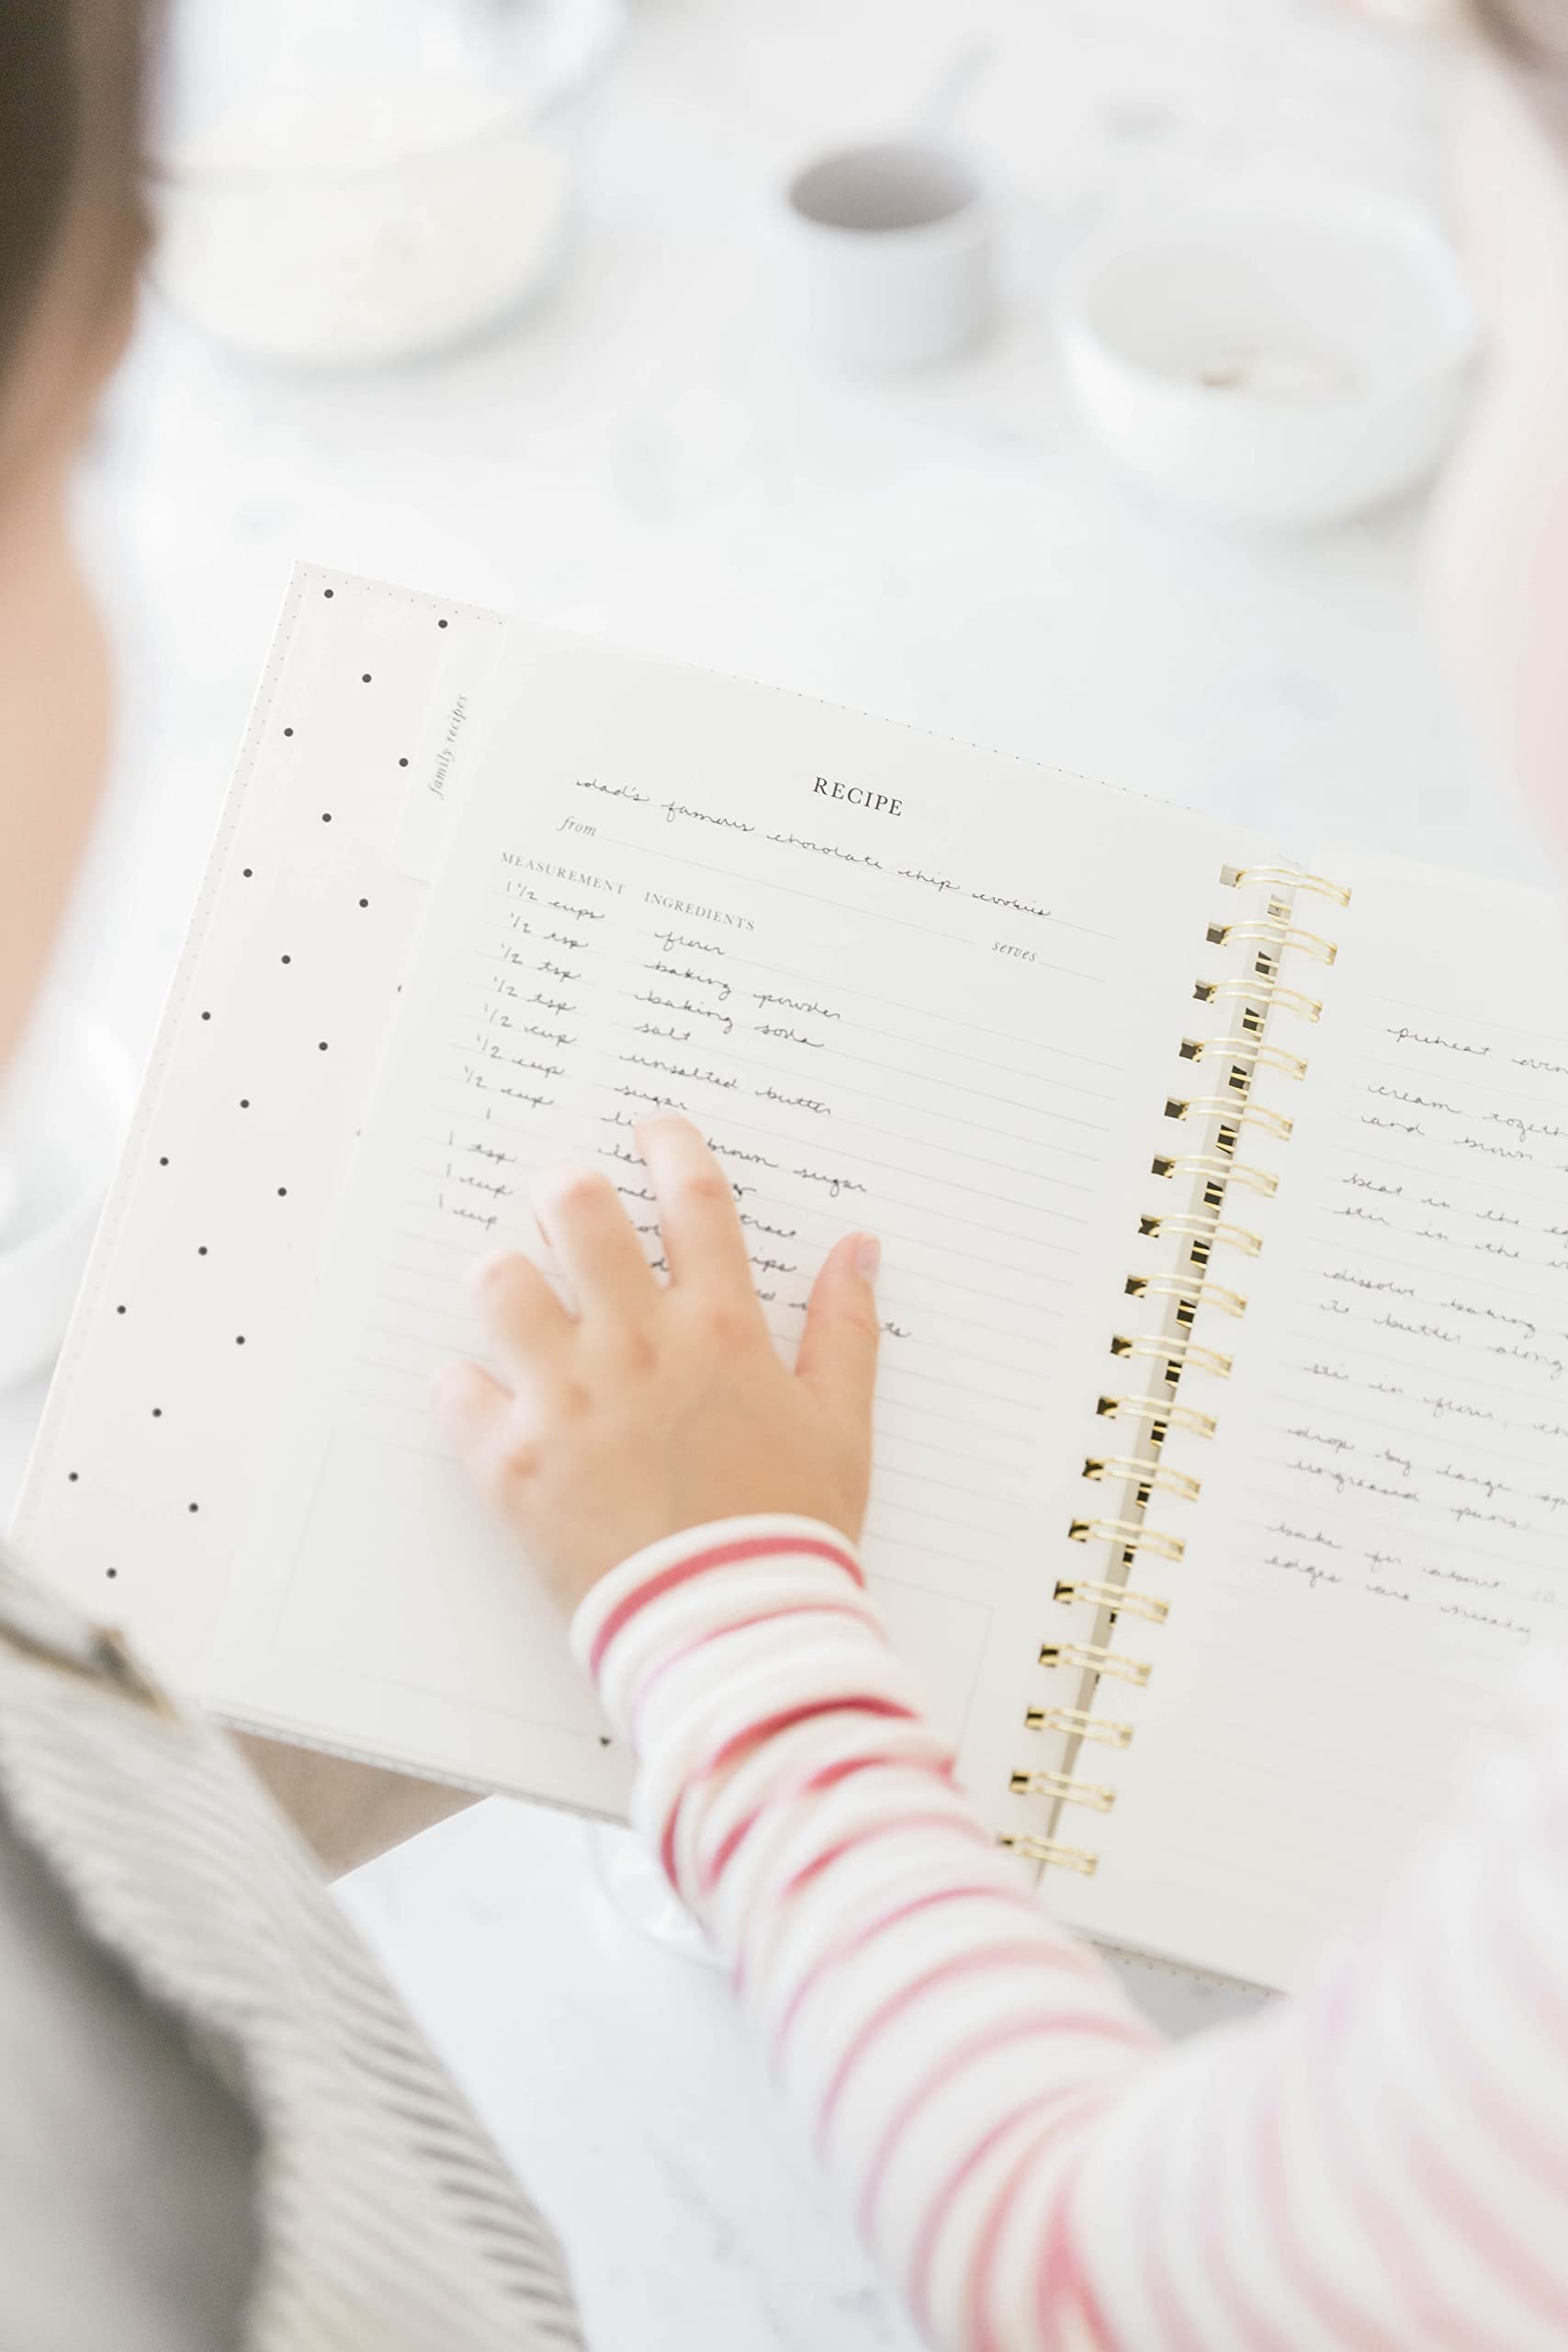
[[548, 1182], [662, 1110], [868, 1256], [483, 1268]]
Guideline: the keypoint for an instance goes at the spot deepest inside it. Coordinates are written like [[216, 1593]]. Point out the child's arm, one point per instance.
[[948, 2046], [1379, 2167]]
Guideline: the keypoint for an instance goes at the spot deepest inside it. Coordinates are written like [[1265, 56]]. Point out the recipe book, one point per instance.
[[1222, 1424]]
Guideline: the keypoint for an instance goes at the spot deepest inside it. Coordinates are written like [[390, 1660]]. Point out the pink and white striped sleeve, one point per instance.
[[1380, 2165]]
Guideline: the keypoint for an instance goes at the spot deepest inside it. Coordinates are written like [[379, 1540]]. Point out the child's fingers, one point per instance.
[[582, 1218], [519, 1311], [838, 1348], [703, 1238], [471, 1406]]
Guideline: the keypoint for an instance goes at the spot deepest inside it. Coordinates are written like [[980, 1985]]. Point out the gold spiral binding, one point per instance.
[[1279, 936], [1095, 1658], [1075, 1722], [1119, 1597], [1248, 1052], [1285, 877], [1224, 1171], [1206, 1229], [1160, 1417], [1176, 1353], [1177, 1350], [1129, 1535], [1093, 1793], [1048, 1850], [1151, 1478], [1259, 1000], [1258, 1114], [1188, 1296]]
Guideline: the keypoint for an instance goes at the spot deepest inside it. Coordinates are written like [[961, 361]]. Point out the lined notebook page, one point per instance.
[[1381, 1535], [901, 984]]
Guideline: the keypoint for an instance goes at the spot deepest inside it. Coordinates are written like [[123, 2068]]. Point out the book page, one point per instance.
[[901, 984], [1380, 1537]]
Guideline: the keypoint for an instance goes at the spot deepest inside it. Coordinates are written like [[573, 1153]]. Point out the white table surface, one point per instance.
[[647, 459]]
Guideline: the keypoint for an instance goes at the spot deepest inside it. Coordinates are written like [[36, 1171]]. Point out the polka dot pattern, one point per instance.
[[278, 1017]]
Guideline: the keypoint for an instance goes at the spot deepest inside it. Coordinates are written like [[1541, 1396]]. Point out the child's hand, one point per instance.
[[659, 1406]]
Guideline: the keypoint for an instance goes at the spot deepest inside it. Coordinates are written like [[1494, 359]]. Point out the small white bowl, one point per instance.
[[63, 1111], [1272, 355]]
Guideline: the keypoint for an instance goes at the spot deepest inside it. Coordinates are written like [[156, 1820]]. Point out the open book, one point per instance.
[[1222, 1461]]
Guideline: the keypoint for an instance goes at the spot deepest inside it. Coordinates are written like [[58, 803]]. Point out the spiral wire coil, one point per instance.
[[1140, 1477]]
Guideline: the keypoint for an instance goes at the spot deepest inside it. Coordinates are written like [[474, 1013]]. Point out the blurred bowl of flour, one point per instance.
[[340, 186]]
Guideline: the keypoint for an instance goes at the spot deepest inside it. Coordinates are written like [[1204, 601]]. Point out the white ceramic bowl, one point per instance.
[[63, 1115], [1273, 355], [327, 202]]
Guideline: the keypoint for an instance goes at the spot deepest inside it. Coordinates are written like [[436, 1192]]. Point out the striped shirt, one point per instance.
[[1380, 2165], [174, 1923]]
